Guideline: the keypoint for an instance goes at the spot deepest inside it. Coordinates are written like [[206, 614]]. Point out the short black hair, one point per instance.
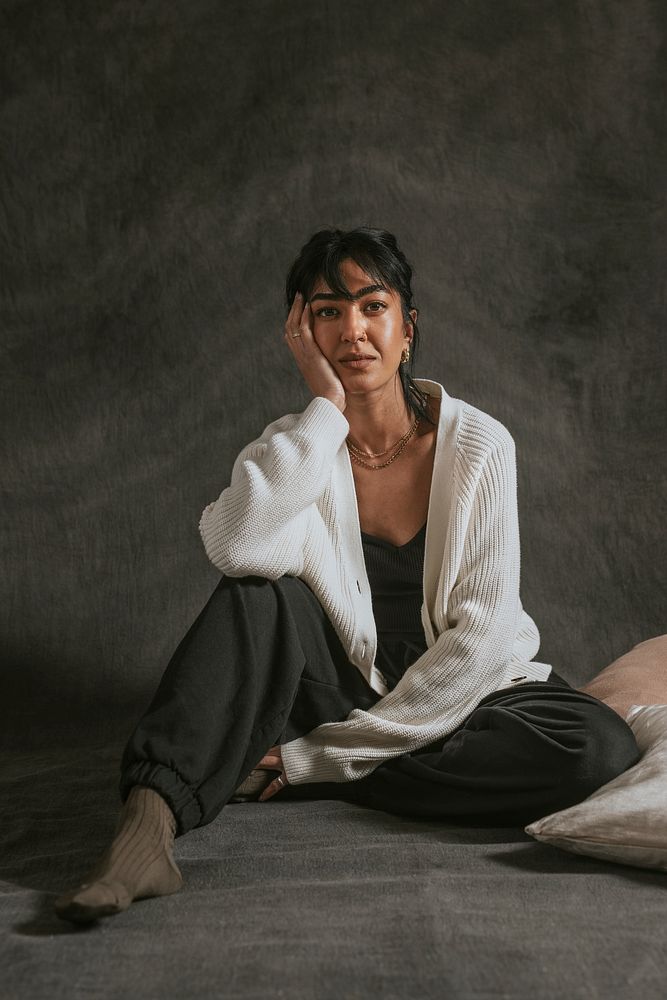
[[378, 254]]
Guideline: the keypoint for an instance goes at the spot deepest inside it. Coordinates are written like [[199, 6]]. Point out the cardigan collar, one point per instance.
[[441, 497]]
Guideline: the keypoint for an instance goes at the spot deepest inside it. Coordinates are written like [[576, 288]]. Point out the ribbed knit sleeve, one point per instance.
[[468, 658], [258, 522]]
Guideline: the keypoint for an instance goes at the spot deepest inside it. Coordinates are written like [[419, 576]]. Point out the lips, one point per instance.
[[357, 360]]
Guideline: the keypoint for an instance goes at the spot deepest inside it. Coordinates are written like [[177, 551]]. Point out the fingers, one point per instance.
[[294, 316], [274, 755], [276, 786], [272, 760], [318, 373], [293, 331]]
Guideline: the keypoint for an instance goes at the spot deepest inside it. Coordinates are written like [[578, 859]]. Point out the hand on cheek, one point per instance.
[[317, 371]]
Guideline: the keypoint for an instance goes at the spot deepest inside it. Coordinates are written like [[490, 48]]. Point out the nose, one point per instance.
[[353, 326]]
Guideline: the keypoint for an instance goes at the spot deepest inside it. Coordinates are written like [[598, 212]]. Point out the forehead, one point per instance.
[[354, 278]]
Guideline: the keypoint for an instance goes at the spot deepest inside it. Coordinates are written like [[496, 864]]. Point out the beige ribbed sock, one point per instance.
[[139, 863]]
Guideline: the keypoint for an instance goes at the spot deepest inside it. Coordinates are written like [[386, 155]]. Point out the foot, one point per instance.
[[139, 864]]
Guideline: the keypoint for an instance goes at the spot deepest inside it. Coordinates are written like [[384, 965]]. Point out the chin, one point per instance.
[[364, 383]]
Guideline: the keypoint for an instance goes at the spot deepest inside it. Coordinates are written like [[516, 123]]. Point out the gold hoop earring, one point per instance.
[[405, 355]]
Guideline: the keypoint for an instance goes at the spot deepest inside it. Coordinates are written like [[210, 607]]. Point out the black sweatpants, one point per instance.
[[262, 665]]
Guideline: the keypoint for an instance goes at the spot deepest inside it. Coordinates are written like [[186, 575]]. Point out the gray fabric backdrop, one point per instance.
[[164, 162]]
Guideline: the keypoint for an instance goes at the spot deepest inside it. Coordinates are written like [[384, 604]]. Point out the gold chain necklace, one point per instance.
[[378, 454], [355, 453]]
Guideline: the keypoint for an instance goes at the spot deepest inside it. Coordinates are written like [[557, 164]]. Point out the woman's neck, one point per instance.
[[377, 420]]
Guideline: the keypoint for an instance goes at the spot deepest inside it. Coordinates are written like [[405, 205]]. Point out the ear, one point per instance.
[[409, 327]]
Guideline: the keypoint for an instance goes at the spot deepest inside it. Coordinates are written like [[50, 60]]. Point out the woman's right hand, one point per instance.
[[318, 372]]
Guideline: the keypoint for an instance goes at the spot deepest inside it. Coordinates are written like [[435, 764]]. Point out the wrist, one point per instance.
[[337, 400]]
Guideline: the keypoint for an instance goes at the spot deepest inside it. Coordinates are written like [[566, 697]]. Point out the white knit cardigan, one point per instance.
[[291, 509]]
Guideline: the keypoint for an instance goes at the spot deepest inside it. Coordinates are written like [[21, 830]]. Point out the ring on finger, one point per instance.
[[295, 335], [279, 780]]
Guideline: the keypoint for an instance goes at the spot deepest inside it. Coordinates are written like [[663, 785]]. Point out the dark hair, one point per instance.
[[378, 254]]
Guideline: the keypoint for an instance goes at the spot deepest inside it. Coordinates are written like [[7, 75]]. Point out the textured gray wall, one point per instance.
[[164, 162]]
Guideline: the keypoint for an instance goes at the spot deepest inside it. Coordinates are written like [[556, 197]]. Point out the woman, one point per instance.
[[367, 639]]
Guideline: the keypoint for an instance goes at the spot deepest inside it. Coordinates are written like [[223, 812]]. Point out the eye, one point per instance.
[[327, 311]]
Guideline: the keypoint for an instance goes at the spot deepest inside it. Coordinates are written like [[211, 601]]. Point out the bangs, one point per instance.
[[331, 272]]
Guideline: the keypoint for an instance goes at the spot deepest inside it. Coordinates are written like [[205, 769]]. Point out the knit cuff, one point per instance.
[[302, 765], [305, 763], [323, 419]]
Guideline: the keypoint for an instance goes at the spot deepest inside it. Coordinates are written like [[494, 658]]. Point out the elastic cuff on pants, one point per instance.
[[180, 798]]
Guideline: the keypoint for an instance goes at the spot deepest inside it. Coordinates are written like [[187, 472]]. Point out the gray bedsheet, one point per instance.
[[315, 900]]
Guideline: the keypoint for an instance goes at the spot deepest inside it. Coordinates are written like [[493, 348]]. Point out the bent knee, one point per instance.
[[608, 749], [578, 743]]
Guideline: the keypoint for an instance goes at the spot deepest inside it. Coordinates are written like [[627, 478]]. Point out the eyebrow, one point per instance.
[[357, 295]]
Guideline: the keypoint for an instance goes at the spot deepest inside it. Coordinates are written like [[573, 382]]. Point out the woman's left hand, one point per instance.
[[273, 761]]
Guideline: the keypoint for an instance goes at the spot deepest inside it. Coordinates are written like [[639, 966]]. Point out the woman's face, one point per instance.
[[363, 339]]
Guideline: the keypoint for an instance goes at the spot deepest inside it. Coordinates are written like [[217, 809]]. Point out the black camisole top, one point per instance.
[[395, 574]]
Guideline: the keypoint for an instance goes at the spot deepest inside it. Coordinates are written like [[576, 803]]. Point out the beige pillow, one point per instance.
[[626, 820], [636, 678]]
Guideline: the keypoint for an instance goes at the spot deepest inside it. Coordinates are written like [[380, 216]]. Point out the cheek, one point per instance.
[[393, 342]]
